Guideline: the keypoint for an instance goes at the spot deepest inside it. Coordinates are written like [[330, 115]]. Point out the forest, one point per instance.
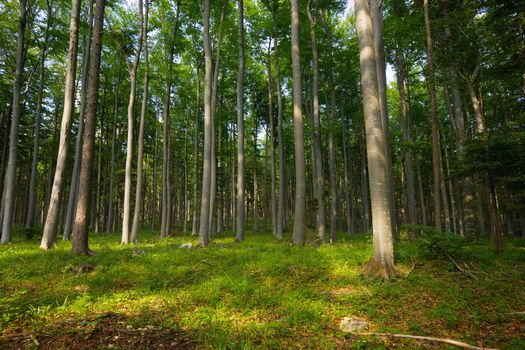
[[239, 174]]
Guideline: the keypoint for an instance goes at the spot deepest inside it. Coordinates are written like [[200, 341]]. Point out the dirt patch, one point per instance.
[[101, 332]]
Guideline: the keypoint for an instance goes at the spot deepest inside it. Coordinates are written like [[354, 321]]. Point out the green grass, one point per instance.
[[266, 294]]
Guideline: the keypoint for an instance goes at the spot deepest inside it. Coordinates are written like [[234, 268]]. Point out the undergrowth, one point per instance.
[[267, 294]]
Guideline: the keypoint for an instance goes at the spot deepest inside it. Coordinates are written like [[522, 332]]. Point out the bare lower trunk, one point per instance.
[[140, 151], [38, 118], [131, 120], [318, 165], [186, 208], [255, 182], [273, 203], [382, 261], [206, 170], [80, 237], [112, 171], [73, 191], [436, 159], [300, 186], [196, 154], [50, 227], [241, 210]]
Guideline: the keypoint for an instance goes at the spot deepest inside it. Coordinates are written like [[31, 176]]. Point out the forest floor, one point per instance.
[[256, 294]]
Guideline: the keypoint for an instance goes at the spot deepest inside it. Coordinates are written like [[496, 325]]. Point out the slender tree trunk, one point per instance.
[[113, 147], [154, 185], [73, 191], [166, 188], [347, 177], [144, 109], [208, 129], [196, 153], [213, 180], [300, 186], [331, 147], [407, 154], [131, 120], [80, 237], [364, 183], [318, 165], [382, 261], [436, 161], [273, 203], [241, 211], [255, 181], [50, 227], [38, 118]]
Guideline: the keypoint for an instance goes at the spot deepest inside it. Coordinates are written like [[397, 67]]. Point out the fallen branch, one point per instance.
[[440, 340], [465, 271]]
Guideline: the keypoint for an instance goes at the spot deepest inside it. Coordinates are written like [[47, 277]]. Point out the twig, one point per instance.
[[440, 340]]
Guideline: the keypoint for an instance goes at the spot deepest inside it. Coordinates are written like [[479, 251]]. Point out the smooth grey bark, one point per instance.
[[382, 261], [186, 206], [9, 187], [73, 191], [422, 204], [196, 152], [241, 210], [80, 237], [131, 120], [318, 165], [331, 147], [50, 227], [154, 184], [38, 118], [166, 187], [365, 193], [255, 182], [213, 180], [436, 159], [407, 154], [281, 207], [143, 111], [300, 186], [379, 48], [347, 175], [206, 168], [113, 149], [273, 202]]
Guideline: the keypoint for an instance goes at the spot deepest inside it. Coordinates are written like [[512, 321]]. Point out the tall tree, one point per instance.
[[9, 188], [241, 211], [300, 183], [53, 211], [38, 119], [131, 117], [140, 150], [382, 261], [80, 238], [206, 168], [318, 163], [436, 159]]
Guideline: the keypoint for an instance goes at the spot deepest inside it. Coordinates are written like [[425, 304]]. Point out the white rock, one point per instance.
[[351, 324], [186, 245]]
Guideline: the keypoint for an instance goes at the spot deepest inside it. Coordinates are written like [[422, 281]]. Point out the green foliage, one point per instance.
[[258, 294], [435, 244]]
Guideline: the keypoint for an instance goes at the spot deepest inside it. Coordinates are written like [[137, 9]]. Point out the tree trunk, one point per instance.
[[186, 207], [113, 146], [80, 237], [196, 153], [131, 119], [300, 186], [273, 204], [208, 129], [347, 177], [255, 182], [241, 210], [144, 109], [73, 191], [38, 118], [331, 147], [50, 227], [154, 185], [379, 48], [318, 165], [436, 161], [382, 261], [407, 154]]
